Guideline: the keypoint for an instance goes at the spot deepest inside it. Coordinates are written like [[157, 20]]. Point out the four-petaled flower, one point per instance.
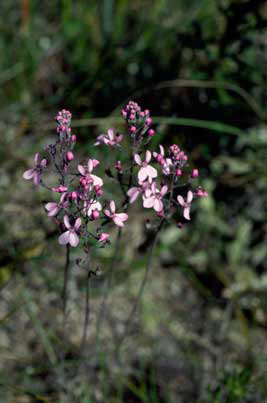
[[147, 171], [70, 236], [155, 198], [35, 173], [53, 208], [186, 204], [110, 139], [87, 173], [118, 218]]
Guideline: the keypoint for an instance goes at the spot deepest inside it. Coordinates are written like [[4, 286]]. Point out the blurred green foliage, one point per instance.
[[200, 66]]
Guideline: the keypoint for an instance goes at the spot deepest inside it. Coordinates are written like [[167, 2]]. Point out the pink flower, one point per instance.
[[110, 139], [154, 200], [35, 173], [186, 204], [91, 205], [201, 192], [60, 189], [70, 235], [135, 191], [53, 208], [104, 238], [147, 171], [87, 173], [166, 163], [118, 218]]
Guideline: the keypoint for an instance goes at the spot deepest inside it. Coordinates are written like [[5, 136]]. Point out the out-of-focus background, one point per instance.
[[199, 333]]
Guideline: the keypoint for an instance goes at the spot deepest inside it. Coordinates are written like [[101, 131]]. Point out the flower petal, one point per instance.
[[158, 205], [187, 213], [137, 159], [142, 174], [74, 239], [189, 196], [78, 223], [96, 180], [151, 171], [64, 238], [148, 156], [133, 193], [164, 190], [118, 221], [66, 221], [122, 216], [28, 174], [149, 202], [36, 159], [81, 170], [181, 200], [112, 206]]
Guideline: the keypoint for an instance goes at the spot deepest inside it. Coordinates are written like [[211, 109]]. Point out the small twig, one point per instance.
[[65, 286], [87, 310]]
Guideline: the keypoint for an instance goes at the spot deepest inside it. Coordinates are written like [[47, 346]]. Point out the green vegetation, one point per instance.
[[199, 334]]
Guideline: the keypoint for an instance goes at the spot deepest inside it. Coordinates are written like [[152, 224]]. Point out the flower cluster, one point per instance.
[[162, 178]]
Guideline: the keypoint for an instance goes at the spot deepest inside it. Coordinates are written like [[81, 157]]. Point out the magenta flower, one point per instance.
[[70, 236], [186, 204], [110, 139], [147, 171], [154, 200], [53, 208], [87, 173], [35, 173], [118, 218], [104, 238]]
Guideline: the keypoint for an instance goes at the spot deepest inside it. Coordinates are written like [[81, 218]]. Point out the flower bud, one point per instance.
[[151, 132], [74, 195], [95, 214], [194, 173], [148, 121], [179, 172], [73, 138], [132, 129], [69, 156]]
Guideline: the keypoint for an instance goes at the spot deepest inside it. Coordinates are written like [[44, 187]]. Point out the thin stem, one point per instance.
[[65, 286], [87, 312]]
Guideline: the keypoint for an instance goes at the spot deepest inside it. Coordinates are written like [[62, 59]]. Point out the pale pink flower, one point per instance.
[[135, 191], [70, 236], [147, 171], [104, 238], [186, 204], [166, 163], [87, 173], [110, 139], [35, 173], [91, 205], [154, 200], [118, 218], [53, 208]]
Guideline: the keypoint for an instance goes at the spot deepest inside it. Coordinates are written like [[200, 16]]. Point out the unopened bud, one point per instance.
[[194, 173], [69, 155]]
